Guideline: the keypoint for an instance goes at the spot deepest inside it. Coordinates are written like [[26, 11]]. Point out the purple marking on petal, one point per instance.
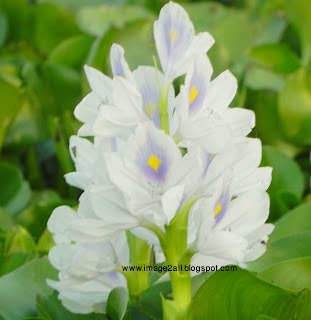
[[177, 47], [150, 94], [114, 276], [208, 160], [182, 201], [199, 83], [224, 201], [148, 149], [116, 63]]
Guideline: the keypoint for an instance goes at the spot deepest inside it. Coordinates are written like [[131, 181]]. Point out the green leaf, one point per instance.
[[19, 288], [9, 263], [9, 105], [36, 215], [19, 240], [51, 308], [291, 274], [117, 303], [240, 295], [276, 57], [19, 17], [263, 317], [298, 13], [15, 192], [28, 127], [135, 35], [96, 21], [52, 25], [287, 184], [72, 52], [260, 79], [295, 221], [296, 122], [292, 247], [57, 87], [75, 5], [6, 221], [3, 29], [150, 300]]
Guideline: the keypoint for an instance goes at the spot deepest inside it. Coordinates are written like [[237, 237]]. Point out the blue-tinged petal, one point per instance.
[[175, 40], [196, 84], [150, 82], [119, 65]]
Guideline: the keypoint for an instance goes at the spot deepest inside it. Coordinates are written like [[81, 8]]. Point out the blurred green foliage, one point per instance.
[[43, 47]]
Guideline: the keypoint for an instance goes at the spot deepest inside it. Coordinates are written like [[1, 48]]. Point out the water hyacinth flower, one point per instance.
[[170, 172]]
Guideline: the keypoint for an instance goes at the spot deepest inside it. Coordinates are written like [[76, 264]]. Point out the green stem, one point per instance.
[[176, 253], [138, 281], [164, 123]]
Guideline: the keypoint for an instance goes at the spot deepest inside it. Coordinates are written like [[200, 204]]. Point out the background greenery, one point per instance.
[[43, 47]]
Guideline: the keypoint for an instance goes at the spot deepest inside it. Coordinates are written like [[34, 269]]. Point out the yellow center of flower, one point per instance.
[[154, 162], [218, 209], [150, 109], [173, 35], [193, 94]]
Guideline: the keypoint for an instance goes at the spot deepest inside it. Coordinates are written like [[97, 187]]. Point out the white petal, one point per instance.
[[99, 83], [221, 91], [259, 178], [246, 213], [173, 34], [171, 200], [241, 121]]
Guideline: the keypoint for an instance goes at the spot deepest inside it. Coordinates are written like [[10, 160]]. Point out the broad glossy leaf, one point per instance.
[[36, 215], [241, 295], [11, 99], [10, 262], [97, 20], [136, 35], [72, 52], [3, 29], [295, 221], [291, 247], [19, 240], [6, 221], [52, 25], [150, 301], [276, 57], [295, 107], [287, 184], [291, 274], [19, 288], [18, 16], [117, 303], [261, 79], [298, 13], [14, 192], [50, 308]]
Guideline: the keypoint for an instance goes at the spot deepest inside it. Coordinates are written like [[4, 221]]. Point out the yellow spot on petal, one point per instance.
[[193, 94], [150, 109], [154, 162], [173, 36], [218, 209]]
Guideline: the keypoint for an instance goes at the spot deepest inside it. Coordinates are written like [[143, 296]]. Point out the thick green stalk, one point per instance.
[[177, 254], [164, 122], [138, 281]]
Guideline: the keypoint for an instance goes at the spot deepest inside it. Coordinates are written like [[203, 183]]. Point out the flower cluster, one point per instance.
[[174, 170]]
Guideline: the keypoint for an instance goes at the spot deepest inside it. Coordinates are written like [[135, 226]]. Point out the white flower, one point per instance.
[[87, 271], [175, 40], [152, 174], [229, 232], [201, 109]]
